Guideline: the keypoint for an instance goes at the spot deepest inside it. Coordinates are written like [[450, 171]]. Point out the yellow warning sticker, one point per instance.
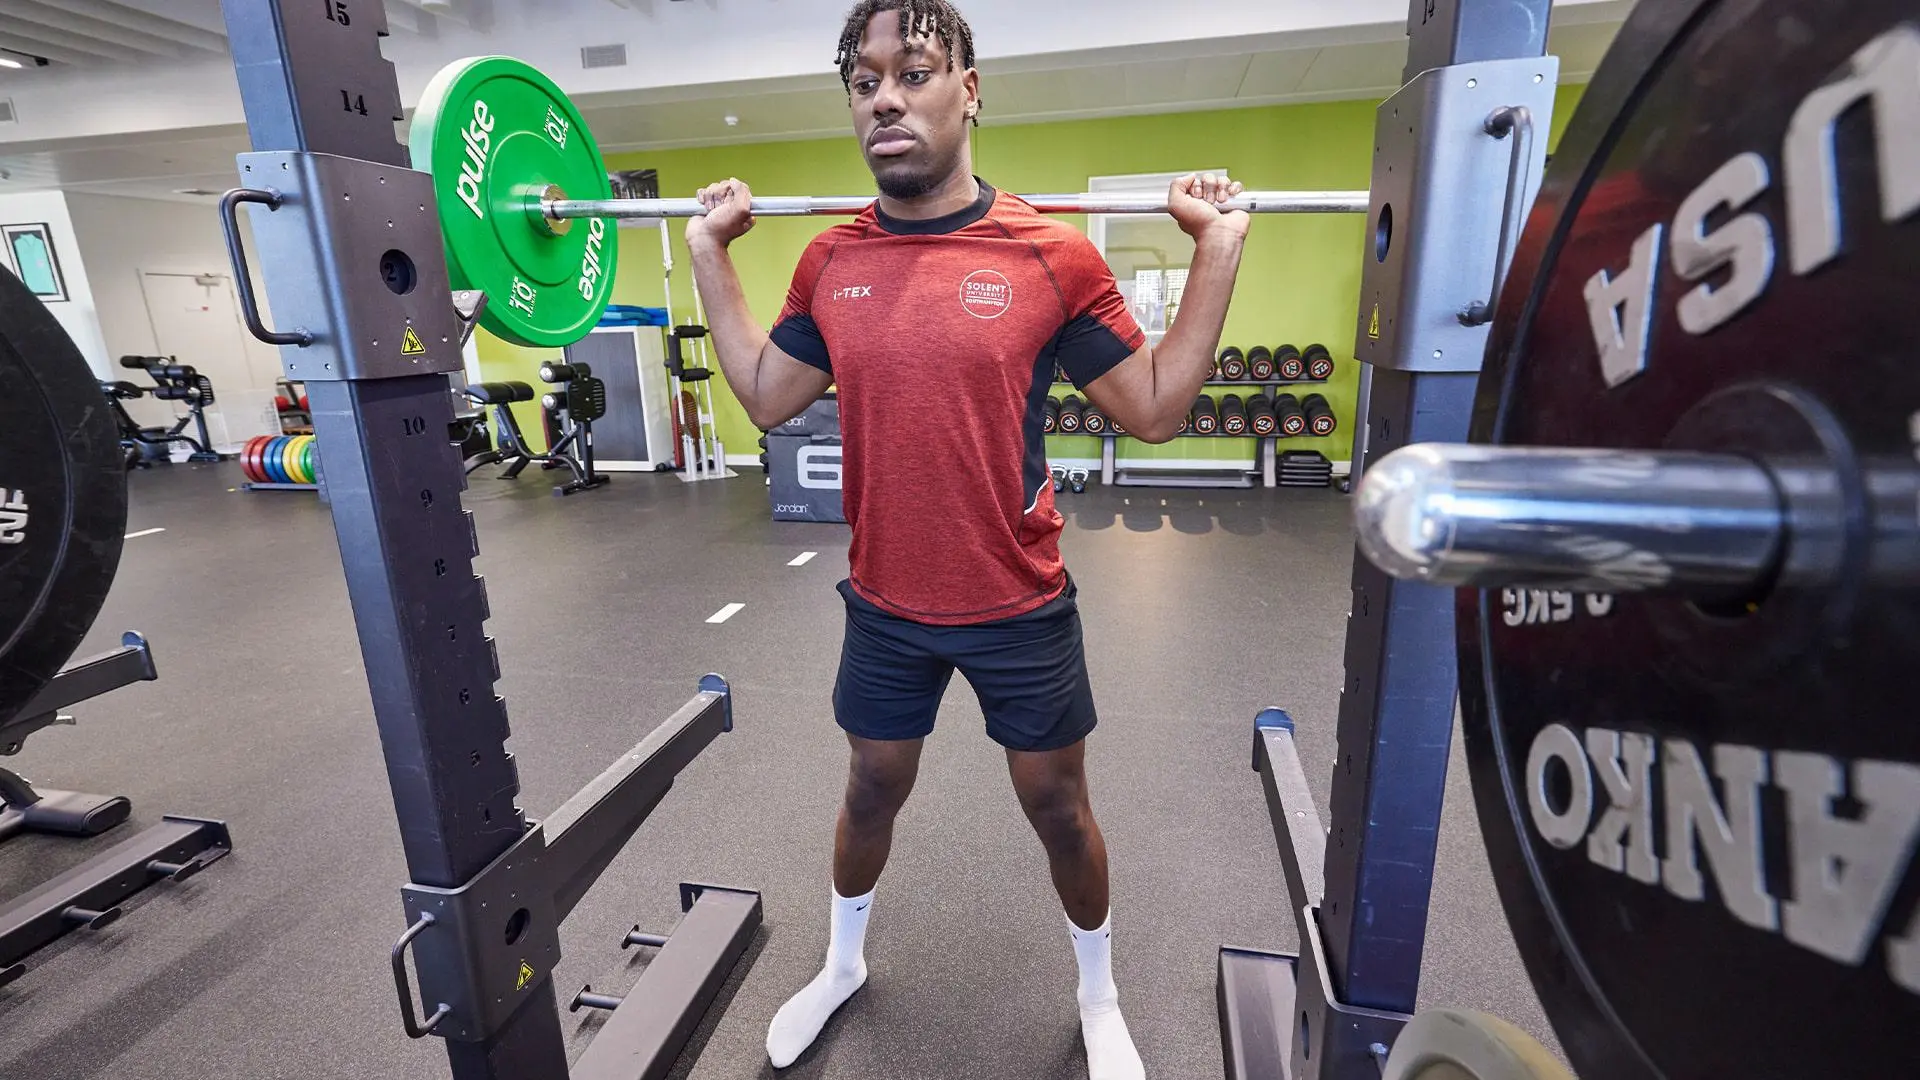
[[1373, 324], [526, 975], [410, 343]]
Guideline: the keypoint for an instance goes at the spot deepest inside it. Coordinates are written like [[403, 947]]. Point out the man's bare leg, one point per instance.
[[1052, 786], [879, 779]]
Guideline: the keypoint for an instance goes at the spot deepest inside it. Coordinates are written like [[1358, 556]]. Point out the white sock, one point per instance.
[[1110, 1052], [799, 1021]]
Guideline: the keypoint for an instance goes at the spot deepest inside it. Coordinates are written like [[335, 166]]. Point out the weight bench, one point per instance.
[[569, 412], [512, 450]]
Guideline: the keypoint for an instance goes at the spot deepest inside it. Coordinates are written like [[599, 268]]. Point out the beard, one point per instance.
[[908, 185], [915, 174]]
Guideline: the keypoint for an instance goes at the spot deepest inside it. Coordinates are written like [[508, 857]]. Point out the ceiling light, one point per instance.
[[8, 61], [733, 121]]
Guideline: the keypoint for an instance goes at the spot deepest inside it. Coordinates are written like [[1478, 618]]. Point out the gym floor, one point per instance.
[[1200, 608]]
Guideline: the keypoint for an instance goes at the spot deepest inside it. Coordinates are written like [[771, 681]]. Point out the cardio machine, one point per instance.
[[172, 381]]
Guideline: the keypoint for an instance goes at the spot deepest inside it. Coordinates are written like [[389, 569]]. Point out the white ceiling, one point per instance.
[[96, 33], [1187, 76]]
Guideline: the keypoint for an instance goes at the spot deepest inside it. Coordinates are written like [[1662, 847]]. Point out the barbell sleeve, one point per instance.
[[1707, 526], [1254, 202]]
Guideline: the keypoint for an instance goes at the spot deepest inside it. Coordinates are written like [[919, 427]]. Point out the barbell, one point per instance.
[[514, 166], [558, 208]]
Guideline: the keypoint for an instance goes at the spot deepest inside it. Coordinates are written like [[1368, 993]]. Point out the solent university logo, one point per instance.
[[986, 294]]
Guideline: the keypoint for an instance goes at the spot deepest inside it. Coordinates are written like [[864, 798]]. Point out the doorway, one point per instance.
[[196, 318]]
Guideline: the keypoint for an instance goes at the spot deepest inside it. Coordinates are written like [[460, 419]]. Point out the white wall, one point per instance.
[[78, 312], [121, 237]]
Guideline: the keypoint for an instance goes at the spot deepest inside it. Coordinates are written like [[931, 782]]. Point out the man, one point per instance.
[[946, 283]]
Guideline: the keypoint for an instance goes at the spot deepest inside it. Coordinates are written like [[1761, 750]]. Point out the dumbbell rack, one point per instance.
[[1266, 453]]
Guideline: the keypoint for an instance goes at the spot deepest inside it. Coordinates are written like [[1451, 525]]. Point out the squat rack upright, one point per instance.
[[1459, 152], [353, 262]]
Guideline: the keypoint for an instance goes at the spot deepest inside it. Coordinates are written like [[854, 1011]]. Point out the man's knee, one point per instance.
[[1060, 814], [876, 790]]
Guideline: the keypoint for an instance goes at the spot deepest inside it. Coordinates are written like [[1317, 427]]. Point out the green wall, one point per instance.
[[1299, 283]]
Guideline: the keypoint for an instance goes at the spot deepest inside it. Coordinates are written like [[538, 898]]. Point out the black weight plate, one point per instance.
[[1753, 957], [63, 496]]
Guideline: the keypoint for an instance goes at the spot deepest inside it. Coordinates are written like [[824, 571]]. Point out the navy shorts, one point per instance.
[[1029, 672]]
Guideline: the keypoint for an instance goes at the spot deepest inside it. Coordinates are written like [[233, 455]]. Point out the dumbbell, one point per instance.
[[1072, 412], [1319, 363], [1093, 421], [1233, 364], [1233, 415], [1206, 416], [555, 372], [1261, 419], [1260, 363], [1319, 415], [1050, 416], [1113, 426], [1288, 364], [1293, 418]]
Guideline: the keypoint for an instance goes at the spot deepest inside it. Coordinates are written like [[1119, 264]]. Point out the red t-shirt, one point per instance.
[[942, 336]]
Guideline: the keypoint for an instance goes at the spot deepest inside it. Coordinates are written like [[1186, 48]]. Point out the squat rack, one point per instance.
[[354, 265]]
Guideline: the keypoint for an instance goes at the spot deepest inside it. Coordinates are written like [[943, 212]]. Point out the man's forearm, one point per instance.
[[1184, 358], [738, 339]]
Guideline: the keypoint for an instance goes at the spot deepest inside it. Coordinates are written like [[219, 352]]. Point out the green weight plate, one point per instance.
[[306, 462], [496, 134]]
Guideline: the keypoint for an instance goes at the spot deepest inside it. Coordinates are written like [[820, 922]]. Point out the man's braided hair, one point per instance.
[[934, 18]]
